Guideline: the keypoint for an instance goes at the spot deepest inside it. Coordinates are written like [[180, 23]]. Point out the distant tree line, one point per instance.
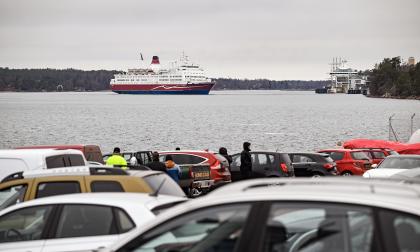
[[79, 80], [50, 79], [391, 78]]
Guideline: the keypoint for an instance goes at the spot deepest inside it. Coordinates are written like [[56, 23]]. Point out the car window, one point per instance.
[[85, 220], [125, 221], [302, 159], [254, 159], [318, 227], [378, 154], [369, 154], [57, 188], [24, 224], [262, 159], [75, 160], [271, 158], [169, 186], [127, 156], [215, 228], [337, 155], [236, 161], [406, 235], [400, 163], [359, 155], [64, 161], [12, 195], [106, 186]]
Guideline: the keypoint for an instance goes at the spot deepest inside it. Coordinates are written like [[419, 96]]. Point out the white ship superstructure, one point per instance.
[[345, 79]]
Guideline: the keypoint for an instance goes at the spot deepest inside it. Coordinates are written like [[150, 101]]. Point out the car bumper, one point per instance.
[[202, 184]]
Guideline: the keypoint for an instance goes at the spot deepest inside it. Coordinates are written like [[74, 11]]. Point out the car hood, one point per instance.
[[382, 172]]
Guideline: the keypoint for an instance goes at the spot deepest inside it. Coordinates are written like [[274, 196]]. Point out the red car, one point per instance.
[[378, 154], [219, 166], [349, 162]]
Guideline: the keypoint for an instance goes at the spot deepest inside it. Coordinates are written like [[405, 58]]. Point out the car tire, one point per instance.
[[317, 175], [347, 173]]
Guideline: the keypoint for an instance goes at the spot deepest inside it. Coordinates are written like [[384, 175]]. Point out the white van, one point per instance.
[[12, 161]]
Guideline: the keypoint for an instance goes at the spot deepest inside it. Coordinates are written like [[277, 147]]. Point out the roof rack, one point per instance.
[[372, 185], [68, 171]]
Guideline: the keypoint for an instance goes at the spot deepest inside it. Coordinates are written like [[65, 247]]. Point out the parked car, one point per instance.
[[31, 185], [394, 164], [92, 152], [300, 214], [219, 167], [12, 161], [264, 164], [143, 157], [313, 164], [378, 154], [349, 162], [77, 222]]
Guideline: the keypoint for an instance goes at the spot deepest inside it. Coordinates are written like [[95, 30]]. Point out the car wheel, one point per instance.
[[317, 175], [194, 192], [347, 173]]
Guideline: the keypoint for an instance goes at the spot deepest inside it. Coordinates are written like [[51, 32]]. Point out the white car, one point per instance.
[[302, 214], [392, 165], [76, 222], [12, 161]]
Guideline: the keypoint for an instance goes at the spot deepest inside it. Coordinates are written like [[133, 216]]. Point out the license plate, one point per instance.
[[201, 174]]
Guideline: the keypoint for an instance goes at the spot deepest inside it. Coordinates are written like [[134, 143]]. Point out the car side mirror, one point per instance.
[[374, 166]]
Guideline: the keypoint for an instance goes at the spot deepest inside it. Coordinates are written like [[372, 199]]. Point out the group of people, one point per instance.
[[173, 170]]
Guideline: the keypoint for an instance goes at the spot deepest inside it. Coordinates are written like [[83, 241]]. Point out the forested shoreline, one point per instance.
[[35, 80], [393, 79]]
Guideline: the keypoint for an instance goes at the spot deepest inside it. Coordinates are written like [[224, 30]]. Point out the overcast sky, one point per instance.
[[274, 39]]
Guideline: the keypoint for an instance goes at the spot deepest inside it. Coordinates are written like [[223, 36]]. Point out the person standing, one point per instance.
[[172, 169], [246, 161], [156, 165], [223, 152], [116, 159]]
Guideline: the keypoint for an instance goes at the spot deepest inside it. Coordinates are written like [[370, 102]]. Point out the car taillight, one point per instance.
[[220, 167], [328, 166], [191, 173], [283, 167]]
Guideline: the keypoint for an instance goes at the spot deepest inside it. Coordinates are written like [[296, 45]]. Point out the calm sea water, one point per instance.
[[270, 120]]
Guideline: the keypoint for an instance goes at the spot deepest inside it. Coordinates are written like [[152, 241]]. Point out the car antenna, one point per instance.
[[155, 193]]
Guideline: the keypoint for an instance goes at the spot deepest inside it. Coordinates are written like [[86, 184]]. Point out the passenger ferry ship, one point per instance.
[[181, 78]]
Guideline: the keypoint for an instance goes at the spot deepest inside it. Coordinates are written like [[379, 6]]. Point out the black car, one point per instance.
[[313, 164], [264, 164]]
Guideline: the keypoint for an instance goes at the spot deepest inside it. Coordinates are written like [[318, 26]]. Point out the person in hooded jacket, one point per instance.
[[223, 152], [156, 165], [246, 161], [173, 170]]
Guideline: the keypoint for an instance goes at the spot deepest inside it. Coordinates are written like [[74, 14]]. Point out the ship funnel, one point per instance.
[[155, 60]]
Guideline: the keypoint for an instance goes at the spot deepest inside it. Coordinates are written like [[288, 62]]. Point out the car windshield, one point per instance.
[[359, 155], [12, 195], [400, 163], [169, 186]]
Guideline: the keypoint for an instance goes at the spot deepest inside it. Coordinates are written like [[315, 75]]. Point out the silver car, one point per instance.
[[324, 214]]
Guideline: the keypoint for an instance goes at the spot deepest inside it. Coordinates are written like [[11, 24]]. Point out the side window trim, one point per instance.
[[118, 220]]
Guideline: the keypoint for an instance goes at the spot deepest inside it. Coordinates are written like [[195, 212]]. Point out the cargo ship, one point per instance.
[[183, 77]]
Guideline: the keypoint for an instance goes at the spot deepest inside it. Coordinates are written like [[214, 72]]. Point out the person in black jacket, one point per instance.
[[156, 164], [223, 152], [246, 161]]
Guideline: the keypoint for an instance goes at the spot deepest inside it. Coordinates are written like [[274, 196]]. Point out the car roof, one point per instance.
[[60, 146], [35, 153], [123, 200], [411, 156], [342, 150], [185, 151]]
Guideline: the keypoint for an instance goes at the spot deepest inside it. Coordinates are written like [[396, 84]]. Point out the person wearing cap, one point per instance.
[[172, 169], [116, 159], [246, 161]]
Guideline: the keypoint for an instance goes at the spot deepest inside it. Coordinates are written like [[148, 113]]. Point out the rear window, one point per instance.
[[64, 161], [359, 155], [337, 155], [106, 186], [57, 188], [400, 163], [169, 187], [184, 158]]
